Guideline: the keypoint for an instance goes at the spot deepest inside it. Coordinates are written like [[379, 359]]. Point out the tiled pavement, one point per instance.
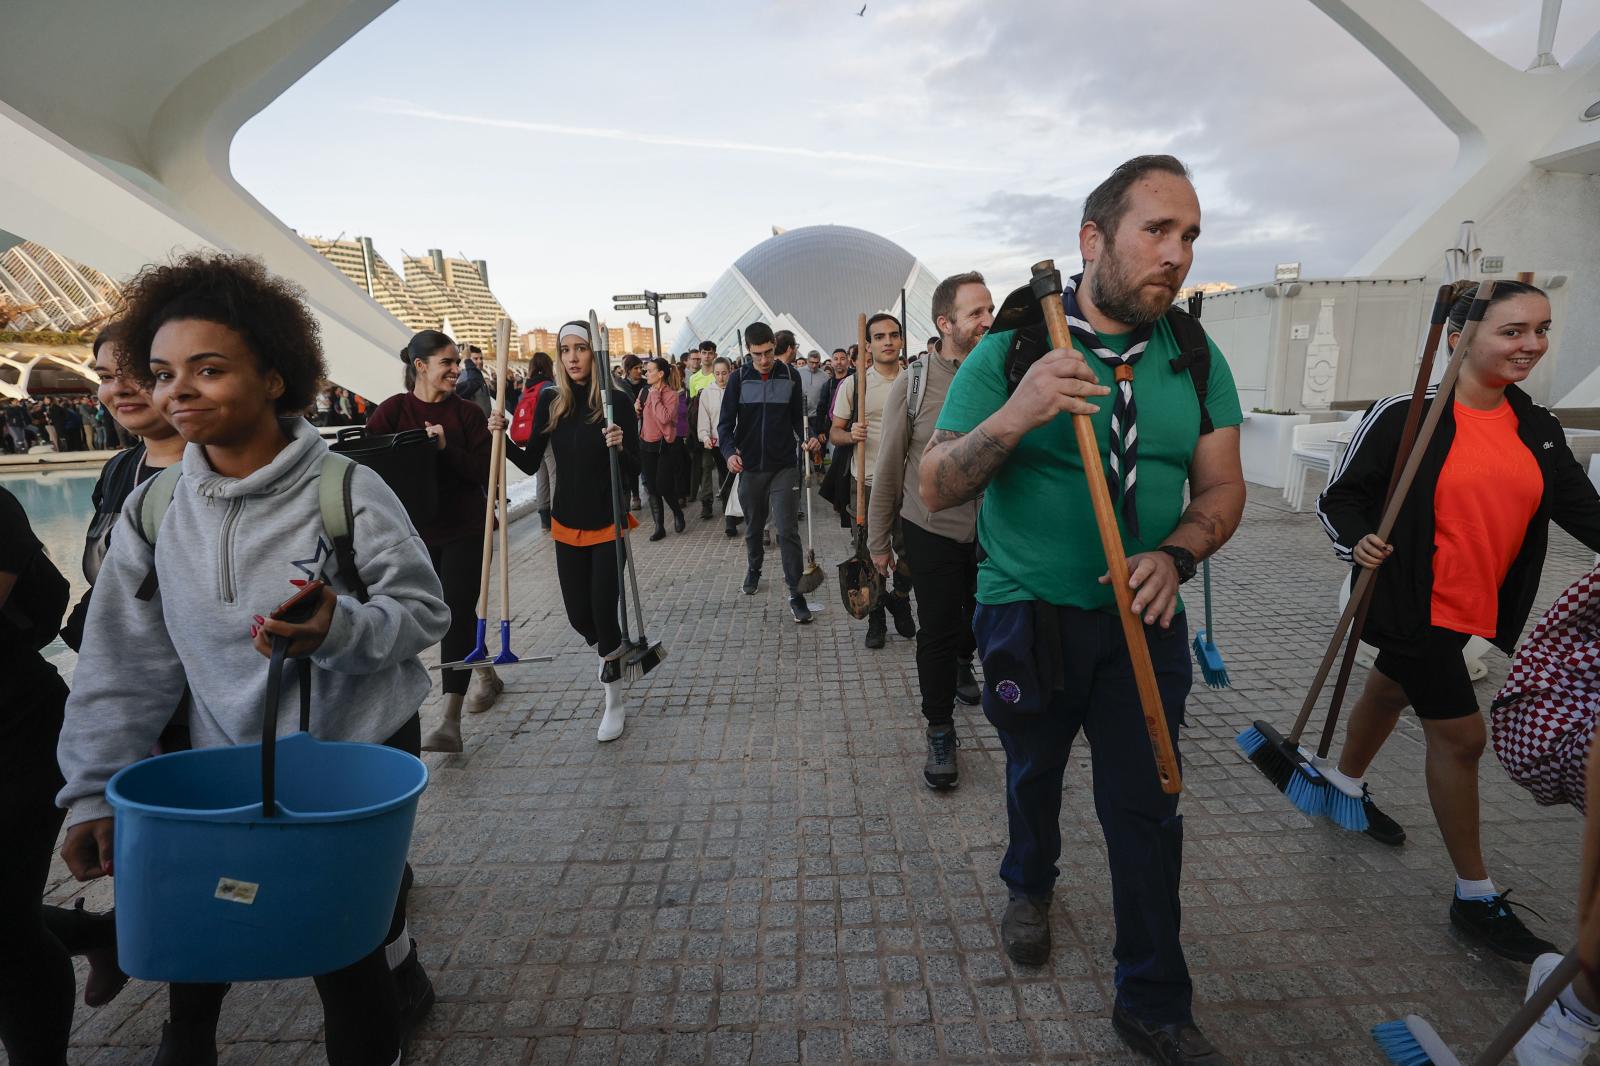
[[754, 872]]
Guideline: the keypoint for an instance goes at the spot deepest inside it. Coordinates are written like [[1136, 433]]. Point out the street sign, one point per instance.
[[1287, 272], [629, 296], [629, 307], [680, 296]]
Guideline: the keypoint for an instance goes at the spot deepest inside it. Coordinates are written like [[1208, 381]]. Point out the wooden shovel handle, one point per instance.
[[497, 462], [1144, 672]]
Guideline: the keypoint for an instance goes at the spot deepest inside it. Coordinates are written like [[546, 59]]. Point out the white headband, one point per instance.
[[573, 329]]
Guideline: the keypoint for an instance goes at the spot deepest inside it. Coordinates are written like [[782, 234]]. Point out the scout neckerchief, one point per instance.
[[1124, 432]]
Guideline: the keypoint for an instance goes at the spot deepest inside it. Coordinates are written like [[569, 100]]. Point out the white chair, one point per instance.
[[1312, 448]]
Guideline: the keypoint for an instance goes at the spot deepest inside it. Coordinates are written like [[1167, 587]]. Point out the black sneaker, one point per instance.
[[900, 607], [1492, 924], [877, 630], [799, 608], [730, 527], [1380, 826], [941, 771], [416, 993], [967, 690], [1025, 930], [752, 582], [1181, 1044]]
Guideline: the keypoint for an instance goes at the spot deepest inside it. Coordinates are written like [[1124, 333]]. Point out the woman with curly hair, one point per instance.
[[570, 424], [233, 359], [455, 535]]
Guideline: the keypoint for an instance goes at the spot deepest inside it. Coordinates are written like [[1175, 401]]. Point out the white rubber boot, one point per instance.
[[616, 712], [446, 736], [486, 689]]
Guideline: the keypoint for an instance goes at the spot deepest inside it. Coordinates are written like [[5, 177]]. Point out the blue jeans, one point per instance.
[[1142, 827]]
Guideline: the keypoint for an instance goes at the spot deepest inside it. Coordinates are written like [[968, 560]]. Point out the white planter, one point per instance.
[[1265, 442]]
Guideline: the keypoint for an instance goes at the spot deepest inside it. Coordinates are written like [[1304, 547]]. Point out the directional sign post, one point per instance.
[[651, 302]]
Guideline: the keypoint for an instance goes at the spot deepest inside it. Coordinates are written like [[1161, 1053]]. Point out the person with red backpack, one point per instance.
[[541, 372]]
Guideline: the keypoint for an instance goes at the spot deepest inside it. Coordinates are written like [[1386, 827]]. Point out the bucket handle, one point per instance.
[[349, 433], [269, 721]]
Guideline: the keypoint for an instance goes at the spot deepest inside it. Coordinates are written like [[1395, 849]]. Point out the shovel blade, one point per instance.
[[860, 586]]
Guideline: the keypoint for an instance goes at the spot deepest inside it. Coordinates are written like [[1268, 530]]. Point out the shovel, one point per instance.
[[860, 584], [811, 577]]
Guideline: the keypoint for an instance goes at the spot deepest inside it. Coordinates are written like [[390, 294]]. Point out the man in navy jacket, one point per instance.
[[760, 429]]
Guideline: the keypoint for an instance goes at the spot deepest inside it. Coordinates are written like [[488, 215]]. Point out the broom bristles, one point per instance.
[[1347, 812], [1399, 1046], [1257, 744], [1308, 794]]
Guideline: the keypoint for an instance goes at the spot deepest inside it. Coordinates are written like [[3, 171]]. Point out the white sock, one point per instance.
[[1569, 999], [398, 949], [1474, 889]]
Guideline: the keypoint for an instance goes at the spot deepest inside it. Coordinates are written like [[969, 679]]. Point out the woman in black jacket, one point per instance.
[[1463, 559], [570, 423]]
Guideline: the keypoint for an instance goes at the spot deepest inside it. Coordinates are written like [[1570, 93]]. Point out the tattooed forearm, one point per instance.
[[1209, 521], [958, 466]]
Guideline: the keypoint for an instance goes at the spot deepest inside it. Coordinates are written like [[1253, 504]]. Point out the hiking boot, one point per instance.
[[416, 993], [1025, 930], [706, 511], [900, 607], [1180, 1044], [799, 608], [877, 632], [486, 689], [446, 737], [940, 771], [1380, 826], [752, 582], [1492, 924], [967, 689], [1561, 1036], [183, 1048]]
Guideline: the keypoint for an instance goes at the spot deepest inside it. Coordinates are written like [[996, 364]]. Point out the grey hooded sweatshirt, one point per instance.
[[226, 551]]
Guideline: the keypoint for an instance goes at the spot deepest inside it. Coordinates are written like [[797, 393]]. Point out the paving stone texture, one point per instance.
[[755, 873]]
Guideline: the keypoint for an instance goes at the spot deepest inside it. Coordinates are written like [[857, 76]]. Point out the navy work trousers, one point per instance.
[[1142, 827]]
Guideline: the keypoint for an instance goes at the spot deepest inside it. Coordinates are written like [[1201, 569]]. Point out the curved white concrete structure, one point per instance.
[[119, 164]]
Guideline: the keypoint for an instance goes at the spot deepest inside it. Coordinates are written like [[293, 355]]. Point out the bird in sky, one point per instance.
[[863, 12]]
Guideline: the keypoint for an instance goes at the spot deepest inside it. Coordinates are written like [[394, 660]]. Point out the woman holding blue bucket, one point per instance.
[[233, 360]]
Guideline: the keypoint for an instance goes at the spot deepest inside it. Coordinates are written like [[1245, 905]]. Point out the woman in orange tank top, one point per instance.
[[1463, 560]]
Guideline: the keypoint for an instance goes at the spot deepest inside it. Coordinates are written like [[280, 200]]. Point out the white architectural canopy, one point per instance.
[[123, 159]]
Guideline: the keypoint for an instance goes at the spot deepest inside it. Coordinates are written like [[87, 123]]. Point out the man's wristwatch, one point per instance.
[[1183, 558]]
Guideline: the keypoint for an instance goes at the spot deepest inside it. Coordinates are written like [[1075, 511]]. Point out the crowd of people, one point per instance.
[[977, 514], [66, 423]]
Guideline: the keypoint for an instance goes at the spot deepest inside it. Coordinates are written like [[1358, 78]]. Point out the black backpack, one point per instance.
[[32, 612], [1031, 340]]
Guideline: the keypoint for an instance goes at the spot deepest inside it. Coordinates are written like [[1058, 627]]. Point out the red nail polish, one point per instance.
[[258, 618], [298, 582]]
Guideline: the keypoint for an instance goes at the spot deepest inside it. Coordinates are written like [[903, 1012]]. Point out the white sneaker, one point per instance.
[[1561, 1037]]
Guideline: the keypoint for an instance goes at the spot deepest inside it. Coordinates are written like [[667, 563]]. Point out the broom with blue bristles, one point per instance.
[[1206, 653], [1413, 1042], [1303, 777]]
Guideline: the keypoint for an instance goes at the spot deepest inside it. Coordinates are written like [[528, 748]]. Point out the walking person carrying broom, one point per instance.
[[1463, 559], [1063, 650]]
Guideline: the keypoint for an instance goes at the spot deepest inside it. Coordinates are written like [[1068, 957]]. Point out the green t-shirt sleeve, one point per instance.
[[979, 387], [1222, 396]]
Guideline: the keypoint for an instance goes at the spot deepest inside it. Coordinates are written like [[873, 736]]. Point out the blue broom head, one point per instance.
[[1399, 1046], [1346, 811], [1308, 792], [1212, 669], [1251, 741]]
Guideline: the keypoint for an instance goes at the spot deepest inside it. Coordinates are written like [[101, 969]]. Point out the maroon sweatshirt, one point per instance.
[[463, 464]]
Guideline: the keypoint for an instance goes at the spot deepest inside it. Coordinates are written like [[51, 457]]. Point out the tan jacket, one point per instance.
[[894, 481]]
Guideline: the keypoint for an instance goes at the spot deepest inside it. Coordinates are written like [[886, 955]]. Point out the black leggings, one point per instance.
[[588, 578], [360, 1003], [666, 470], [459, 564], [37, 985]]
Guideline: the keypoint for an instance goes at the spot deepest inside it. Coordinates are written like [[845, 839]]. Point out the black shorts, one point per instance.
[[1434, 677]]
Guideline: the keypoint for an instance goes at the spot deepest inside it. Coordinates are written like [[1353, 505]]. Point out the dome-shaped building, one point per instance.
[[816, 281]]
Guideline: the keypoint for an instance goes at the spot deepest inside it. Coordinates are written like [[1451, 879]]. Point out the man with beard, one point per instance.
[[940, 547], [1054, 657]]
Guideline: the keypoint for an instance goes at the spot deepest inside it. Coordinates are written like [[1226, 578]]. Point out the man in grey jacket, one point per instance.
[[940, 547]]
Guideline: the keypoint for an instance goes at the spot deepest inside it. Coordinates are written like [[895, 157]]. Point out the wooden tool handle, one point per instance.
[[497, 454], [861, 408], [1408, 437], [1506, 1039], [1144, 673], [1397, 499], [502, 354]]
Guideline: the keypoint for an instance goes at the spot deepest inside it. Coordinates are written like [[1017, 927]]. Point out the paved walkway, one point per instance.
[[755, 873]]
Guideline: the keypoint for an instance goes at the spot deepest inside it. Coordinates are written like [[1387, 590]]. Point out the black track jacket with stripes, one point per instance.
[[1352, 506]]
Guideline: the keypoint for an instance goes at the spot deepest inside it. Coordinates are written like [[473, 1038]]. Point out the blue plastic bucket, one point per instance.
[[210, 889]]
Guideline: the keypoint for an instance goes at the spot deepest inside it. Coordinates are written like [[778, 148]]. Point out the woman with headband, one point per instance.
[[570, 424], [1463, 560], [455, 535]]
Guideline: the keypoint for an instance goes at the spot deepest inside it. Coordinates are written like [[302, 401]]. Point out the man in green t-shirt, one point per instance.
[[1055, 660]]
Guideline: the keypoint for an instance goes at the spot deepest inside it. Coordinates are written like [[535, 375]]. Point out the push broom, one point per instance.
[[1281, 759], [495, 503], [641, 656], [1212, 669]]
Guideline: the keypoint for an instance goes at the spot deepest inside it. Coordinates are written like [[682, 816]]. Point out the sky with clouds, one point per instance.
[[599, 148]]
